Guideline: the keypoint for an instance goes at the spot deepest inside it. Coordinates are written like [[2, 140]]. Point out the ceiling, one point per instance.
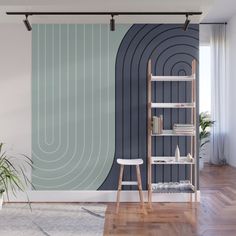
[[221, 11], [213, 10]]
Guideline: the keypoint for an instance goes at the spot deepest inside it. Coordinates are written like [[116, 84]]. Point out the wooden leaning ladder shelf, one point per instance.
[[192, 106]]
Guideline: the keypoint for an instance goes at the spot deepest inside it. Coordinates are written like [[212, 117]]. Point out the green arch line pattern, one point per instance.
[[73, 104]]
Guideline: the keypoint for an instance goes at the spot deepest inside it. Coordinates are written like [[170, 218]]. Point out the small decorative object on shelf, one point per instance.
[[189, 157], [177, 154]]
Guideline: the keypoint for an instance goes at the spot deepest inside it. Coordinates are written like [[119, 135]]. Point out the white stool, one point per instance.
[[129, 162]]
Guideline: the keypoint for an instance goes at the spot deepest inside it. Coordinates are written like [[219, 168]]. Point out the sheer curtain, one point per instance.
[[219, 94]]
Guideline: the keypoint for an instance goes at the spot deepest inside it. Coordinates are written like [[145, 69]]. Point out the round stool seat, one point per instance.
[[130, 162]]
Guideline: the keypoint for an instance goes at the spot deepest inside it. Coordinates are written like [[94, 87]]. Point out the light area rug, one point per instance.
[[52, 219]]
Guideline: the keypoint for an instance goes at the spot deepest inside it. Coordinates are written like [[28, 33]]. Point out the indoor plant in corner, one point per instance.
[[12, 173], [205, 123]]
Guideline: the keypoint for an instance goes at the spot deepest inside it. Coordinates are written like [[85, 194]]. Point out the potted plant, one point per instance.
[[12, 173], [1, 197], [205, 124]]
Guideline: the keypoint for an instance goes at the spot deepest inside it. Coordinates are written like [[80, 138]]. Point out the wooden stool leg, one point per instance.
[[149, 196], [119, 188], [140, 186]]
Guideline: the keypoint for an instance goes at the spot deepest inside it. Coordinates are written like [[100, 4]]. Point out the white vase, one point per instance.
[[177, 154]]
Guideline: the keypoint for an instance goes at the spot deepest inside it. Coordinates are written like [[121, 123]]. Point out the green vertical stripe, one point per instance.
[[73, 104]]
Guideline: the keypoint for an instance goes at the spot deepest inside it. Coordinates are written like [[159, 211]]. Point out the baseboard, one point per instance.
[[100, 196]]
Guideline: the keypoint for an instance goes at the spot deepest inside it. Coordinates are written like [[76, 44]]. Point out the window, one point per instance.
[[205, 79]]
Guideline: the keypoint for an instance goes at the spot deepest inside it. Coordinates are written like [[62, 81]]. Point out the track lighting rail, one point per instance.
[[104, 13]]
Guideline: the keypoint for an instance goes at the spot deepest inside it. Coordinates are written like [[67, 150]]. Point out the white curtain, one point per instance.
[[219, 94]]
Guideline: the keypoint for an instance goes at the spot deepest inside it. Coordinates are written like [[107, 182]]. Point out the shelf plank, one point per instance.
[[172, 105], [172, 133], [170, 161], [172, 191], [129, 183], [172, 78]]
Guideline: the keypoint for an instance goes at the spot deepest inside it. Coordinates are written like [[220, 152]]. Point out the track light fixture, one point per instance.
[[112, 23], [186, 23], [27, 24]]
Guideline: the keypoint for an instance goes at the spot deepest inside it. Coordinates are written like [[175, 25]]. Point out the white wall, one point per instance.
[[204, 34], [231, 70], [15, 88], [204, 37]]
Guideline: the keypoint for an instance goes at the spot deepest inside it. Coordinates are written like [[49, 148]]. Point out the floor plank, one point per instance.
[[214, 216]]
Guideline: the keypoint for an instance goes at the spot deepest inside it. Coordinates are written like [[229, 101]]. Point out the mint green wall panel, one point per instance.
[[73, 104]]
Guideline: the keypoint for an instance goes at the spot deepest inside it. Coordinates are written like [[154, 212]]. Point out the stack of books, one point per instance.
[[183, 128], [157, 125]]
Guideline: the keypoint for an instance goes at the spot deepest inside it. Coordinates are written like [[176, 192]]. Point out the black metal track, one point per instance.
[[103, 13], [213, 23]]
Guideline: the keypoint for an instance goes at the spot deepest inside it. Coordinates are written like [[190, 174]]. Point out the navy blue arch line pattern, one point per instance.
[[171, 50]]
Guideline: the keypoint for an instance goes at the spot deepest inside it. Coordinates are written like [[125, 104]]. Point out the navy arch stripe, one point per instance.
[[168, 47]]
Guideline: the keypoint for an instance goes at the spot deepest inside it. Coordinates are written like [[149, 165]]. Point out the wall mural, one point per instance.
[[73, 105], [89, 101]]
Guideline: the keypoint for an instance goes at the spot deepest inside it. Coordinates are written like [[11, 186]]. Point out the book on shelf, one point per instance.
[[157, 124], [184, 125], [183, 128]]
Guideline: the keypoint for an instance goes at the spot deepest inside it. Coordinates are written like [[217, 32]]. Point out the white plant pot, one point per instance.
[[1, 201], [201, 163]]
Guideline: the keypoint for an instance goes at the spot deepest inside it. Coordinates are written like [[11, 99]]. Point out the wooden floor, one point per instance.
[[214, 216]]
